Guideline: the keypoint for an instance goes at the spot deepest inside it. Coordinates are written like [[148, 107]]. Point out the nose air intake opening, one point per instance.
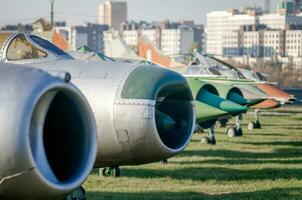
[[63, 135], [236, 96], [210, 89], [174, 116], [61, 139]]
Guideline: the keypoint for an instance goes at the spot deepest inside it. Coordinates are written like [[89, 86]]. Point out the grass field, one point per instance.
[[263, 164]]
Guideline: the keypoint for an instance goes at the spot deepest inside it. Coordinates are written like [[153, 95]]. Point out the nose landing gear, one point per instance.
[[211, 139], [236, 131]]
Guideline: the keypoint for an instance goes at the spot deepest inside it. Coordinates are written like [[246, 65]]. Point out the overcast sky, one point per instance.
[[78, 12]]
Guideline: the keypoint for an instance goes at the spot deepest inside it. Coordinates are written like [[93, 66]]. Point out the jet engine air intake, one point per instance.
[[162, 107], [174, 115], [48, 135]]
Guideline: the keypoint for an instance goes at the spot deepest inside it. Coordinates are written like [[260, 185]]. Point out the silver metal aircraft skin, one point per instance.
[[43, 156], [128, 130]]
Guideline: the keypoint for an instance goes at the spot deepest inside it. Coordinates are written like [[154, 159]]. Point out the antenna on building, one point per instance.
[[267, 6], [52, 2]]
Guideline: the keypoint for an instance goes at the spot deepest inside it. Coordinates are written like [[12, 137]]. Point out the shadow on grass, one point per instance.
[[215, 173], [273, 194], [278, 153], [240, 162], [282, 125], [266, 134], [275, 143]]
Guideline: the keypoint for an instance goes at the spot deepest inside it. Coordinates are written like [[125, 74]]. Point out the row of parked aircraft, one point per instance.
[[203, 72], [64, 114]]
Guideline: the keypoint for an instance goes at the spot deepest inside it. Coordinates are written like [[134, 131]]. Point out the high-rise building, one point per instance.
[[112, 13], [221, 22]]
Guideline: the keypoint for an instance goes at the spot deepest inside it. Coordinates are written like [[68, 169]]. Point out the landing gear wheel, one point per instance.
[[164, 162], [78, 194], [231, 131], [234, 132], [110, 172], [239, 132], [212, 141], [251, 126], [207, 140], [254, 125], [257, 124]]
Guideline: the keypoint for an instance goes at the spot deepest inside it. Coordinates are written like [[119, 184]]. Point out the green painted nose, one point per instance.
[[205, 112], [235, 97], [253, 97], [220, 103]]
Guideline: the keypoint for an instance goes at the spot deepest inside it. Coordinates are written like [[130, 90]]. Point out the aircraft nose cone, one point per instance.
[[252, 102], [253, 97], [235, 97], [205, 112], [267, 104], [232, 108]]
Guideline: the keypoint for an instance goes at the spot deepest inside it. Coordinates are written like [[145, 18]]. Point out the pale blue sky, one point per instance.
[[78, 12]]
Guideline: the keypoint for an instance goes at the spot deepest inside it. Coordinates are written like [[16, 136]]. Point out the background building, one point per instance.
[[171, 38], [176, 41], [112, 13], [26, 28], [250, 35], [90, 35], [293, 40]]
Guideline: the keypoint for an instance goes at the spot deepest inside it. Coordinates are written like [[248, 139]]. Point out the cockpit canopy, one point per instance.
[[205, 65], [3, 37], [253, 75], [21, 47]]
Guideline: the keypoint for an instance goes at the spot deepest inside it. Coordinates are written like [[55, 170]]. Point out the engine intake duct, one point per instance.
[[173, 115], [159, 102], [48, 135]]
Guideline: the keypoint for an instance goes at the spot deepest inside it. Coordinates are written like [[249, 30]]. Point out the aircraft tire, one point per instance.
[[231, 131], [239, 132], [251, 126], [205, 140], [257, 124], [113, 171], [78, 194]]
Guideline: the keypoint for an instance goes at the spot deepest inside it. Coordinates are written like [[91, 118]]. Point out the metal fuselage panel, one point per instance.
[[121, 123]]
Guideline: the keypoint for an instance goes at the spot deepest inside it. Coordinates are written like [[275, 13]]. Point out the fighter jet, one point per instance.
[[209, 106], [143, 113], [274, 96]]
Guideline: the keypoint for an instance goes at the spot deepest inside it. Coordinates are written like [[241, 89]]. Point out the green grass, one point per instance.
[[263, 164]]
